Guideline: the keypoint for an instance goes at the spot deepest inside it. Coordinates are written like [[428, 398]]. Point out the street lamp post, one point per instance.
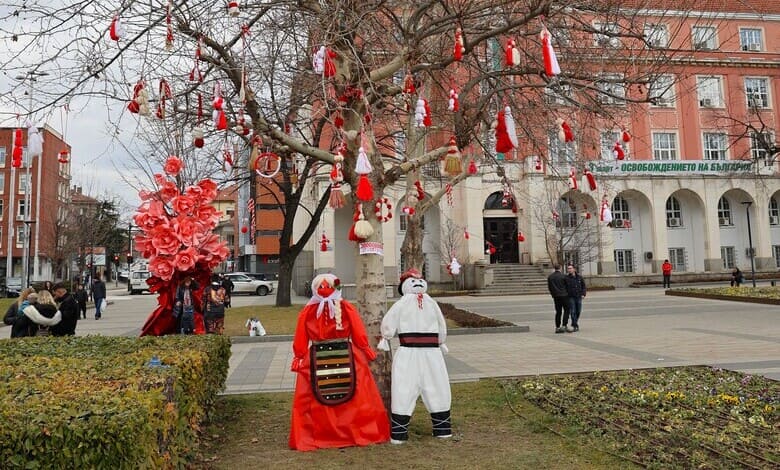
[[31, 78], [750, 242]]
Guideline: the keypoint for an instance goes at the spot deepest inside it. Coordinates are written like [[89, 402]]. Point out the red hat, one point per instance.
[[411, 272]]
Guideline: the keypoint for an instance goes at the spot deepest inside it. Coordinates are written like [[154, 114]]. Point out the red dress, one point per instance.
[[360, 421]]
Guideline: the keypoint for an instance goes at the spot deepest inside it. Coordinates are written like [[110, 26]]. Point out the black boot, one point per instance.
[[442, 427], [399, 433]]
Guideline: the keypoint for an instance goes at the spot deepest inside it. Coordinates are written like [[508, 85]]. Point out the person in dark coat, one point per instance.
[[98, 294], [69, 309], [81, 297], [184, 308], [15, 309], [556, 284], [38, 318], [228, 285], [575, 285], [737, 278]]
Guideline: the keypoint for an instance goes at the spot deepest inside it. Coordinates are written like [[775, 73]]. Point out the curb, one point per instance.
[[453, 332], [733, 298]]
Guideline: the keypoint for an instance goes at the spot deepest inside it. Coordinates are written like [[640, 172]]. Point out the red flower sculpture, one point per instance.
[[178, 240]]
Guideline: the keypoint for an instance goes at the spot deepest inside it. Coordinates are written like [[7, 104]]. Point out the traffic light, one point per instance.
[[116, 259], [129, 258]]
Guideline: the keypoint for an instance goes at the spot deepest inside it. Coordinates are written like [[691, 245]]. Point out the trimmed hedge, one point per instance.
[[91, 402]]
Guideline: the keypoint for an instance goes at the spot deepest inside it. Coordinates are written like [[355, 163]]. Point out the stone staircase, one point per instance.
[[516, 279]]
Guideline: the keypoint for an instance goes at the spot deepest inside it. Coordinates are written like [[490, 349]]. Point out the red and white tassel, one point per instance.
[[422, 113], [336, 199], [452, 163], [218, 114], [590, 180], [18, 151], [364, 190], [511, 54], [362, 228], [324, 243], [459, 48], [195, 74], [605, 214], [329, 67], [520, 237], [538, 163], [409, 87], [472, 170], [565, 134], [140, 102], [618, 152], [626, 137], [551, 67], [197, 137], [506, 138], [453, 104], [233, 9], [116, 31], [168, 29], [573, 179], [165, 93]]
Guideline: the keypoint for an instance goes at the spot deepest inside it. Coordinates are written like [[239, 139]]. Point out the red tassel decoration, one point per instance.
[[551, 67], [324, 243], [364, 192], [409, 87], [420, 190], [338, 120], [459, 48], [472, 167], [453, 104], [618, 152], [116, 30], [511, 54], [427, 119], [503, 142], [466, 234], [626, 137], [221, 121], [565, 134], [520, 237], [329, 68], [591, 180], [336, 200]]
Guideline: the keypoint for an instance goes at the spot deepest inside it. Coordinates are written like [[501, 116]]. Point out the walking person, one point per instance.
[[556, 284], [98, 295], [666, 269], [228, 285], [81, 297], [737, 278], [575, 285]]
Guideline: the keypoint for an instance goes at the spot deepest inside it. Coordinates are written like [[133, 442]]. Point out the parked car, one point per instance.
[[242, 283], [272, 278], [137, 282]]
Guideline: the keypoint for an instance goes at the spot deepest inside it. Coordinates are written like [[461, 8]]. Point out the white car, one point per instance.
[[137, 282], [246, 285]]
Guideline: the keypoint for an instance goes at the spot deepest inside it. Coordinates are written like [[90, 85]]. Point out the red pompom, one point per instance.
[[364, 192], [520, 237], [472, 167], [626, 137], [244, 229]]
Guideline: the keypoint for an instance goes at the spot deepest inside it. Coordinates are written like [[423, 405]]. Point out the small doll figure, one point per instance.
[[336, 401], [418, 365]]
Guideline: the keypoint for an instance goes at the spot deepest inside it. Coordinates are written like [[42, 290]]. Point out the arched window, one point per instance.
[[620, 209], [774, 211], [497, 201], [724, 212], [673, 212], [568, 210]]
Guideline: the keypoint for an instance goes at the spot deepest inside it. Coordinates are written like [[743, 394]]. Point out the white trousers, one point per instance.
[[420, 371]]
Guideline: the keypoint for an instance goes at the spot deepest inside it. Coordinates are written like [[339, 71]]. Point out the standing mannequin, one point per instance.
[[418, 365]]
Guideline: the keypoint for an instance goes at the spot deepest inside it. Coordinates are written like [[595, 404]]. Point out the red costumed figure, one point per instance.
[[336, 402]]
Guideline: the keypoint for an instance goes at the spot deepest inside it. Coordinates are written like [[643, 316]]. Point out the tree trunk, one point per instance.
[[411, 248], [286, 263]]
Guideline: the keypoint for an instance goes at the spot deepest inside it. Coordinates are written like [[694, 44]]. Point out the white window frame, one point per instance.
[[678, 265], [774, 211], [759, 152], [661, 91], [757, 92], [571, 257], [613, 91], [604, 40], [728, 256], [2, 206], [2, 157], [709, 89], [673, 211], [714, 146], [23, 182], [624, 261], [668, 151], [751, 39], [620, 209], [567, 209], [608, 140], [561, 154], [656, 35], [2, 183], [776, 252], [724, 213], [21, 209], [704, 38], [399, 140], [20, 233]]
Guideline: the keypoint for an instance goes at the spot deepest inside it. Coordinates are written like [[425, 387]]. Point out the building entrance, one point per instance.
[[501, 232]]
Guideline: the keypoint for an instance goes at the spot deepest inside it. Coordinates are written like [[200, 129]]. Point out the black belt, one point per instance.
[[419, 340]]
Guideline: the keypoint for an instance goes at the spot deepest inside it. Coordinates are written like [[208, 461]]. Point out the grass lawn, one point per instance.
[[250, 431], [275, 320], [4, 303]]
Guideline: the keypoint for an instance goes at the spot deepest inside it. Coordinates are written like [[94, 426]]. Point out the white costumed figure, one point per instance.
[[418, 364]]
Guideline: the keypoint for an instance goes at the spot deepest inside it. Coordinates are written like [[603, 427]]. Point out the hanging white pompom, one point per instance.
[[363, 166]]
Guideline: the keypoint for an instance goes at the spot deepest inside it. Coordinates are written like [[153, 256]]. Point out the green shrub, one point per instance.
[[91, 401]]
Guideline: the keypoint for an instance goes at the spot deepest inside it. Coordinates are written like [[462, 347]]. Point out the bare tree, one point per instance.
[[262, 62]]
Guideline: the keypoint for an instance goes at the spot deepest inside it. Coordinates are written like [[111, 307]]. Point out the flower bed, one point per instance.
[[91, 402], [693, 417], [761, 295]]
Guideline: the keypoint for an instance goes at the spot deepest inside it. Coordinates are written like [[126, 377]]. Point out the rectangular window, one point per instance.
[[20, 236], [656, 35], [2, 157], [750, 39], [727, 255], [776, 251], [677, 259], [561, 153], [612, 87], [23, 180], [2, 183], [21, 210], [664, 146], [624, 261], [557, 94], [710, 90], [605, 36], [608, 141], [571, 257], [757, 92], [400, 146], [715, 144], [703, 38], [760, 143], [661, 91], [2, 207]]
